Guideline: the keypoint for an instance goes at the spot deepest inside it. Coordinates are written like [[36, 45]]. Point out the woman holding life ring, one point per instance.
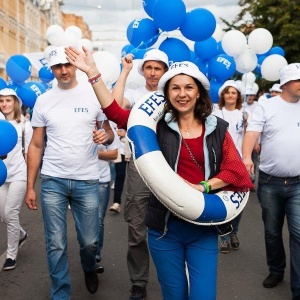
[[198, 147]]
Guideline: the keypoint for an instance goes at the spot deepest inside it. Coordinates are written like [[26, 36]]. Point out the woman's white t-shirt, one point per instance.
[[15, 162], [236, 124]]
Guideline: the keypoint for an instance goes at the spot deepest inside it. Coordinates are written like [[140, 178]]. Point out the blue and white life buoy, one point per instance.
[[179, 197]]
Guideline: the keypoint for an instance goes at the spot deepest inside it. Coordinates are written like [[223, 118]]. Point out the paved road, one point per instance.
[[240, 274]]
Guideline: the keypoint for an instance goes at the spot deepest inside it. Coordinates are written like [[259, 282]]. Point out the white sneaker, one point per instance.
[[115, 207]]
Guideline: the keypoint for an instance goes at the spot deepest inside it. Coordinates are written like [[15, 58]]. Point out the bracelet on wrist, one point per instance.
[[206, 185], [94, 79]]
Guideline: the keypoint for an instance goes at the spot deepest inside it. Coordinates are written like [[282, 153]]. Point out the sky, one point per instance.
[[109, 19]]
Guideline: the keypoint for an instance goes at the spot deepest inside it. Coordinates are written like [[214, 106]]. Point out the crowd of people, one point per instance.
[[72, 139]]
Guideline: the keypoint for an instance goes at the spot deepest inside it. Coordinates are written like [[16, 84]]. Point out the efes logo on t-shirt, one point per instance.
[[81, 109]]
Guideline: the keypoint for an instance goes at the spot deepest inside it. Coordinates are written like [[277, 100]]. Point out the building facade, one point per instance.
[[23, 26]]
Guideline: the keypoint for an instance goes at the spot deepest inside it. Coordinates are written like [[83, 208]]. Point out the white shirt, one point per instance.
[[2, 116], [134, 95], [70, 118], [15, 162], [279, 124], [236, 124], [104, 167]]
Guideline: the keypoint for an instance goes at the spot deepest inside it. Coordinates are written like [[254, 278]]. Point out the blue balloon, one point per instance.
[[206, 49], [29, 92], [221, 67], [139, 53], [202, 66], [276, 50], [2, 83], [8, 137], [214, 90], [126, 49], [3, 172], [168, 15], [176, 50], [199, 25], [46, 74], [220, 48], [193, 56], [142, 33], [18, 68], [260, 59], [148, 6]]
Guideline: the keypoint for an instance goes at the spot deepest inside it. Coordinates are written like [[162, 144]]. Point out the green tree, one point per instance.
[[280, 17]]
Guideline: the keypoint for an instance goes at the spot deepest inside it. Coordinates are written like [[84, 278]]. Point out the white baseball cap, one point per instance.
[[57, 56], [153, 54], [10, 92], [289, 73], [275, 88], [187, 68], [227, 83]]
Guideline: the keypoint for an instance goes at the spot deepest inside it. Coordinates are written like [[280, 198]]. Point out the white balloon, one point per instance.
[[109, 67], [135, 79], [54, 34], [271, 65], [260, 40], [68, 39], [74, 31], [246, 61], [234, 42], [218, 33], [248, 78], [86, 43]]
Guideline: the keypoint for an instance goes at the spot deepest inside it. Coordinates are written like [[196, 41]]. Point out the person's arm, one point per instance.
[[108, 155], [104, 134], [84, 61], [34, 157], [119, 87], [249, 142]]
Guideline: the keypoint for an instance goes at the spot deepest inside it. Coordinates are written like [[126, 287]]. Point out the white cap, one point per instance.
[[275, 88], [10, 92], [250, 89], [187, 68], [57, 56], [153, 54], [289, 73], [227, 83]]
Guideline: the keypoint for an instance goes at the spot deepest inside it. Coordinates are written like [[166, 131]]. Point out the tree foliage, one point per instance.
[[280, 17]]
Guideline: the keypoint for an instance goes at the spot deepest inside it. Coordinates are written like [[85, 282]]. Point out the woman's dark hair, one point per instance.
[[203, 106], [239, 100]]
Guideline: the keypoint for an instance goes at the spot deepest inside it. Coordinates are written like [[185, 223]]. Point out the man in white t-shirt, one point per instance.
[[154, 64], [277, 122], [68, 115]]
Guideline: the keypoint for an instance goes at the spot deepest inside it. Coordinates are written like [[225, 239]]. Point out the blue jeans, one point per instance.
[[190, 246], [280, 197], [104, 193], [83, 196]]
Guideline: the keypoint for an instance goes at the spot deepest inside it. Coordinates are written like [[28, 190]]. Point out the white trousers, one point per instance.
[[11, 197]]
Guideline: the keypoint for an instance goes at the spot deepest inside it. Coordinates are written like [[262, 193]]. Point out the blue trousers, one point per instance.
[[190, 247]]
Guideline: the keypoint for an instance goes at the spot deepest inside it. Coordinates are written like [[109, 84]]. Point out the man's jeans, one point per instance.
[[104, 193], [280, 197], [83, 197]]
